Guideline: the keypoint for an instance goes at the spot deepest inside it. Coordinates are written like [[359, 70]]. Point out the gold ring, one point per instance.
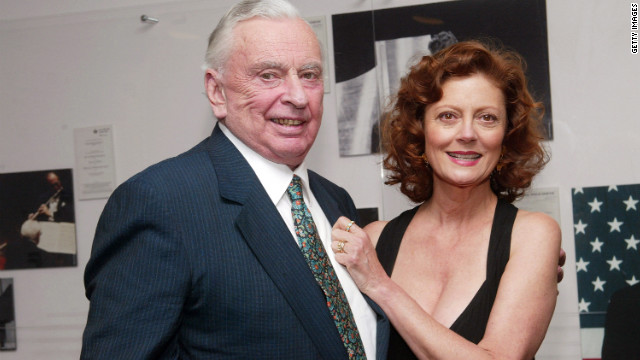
[[340, 246], [349, 225]]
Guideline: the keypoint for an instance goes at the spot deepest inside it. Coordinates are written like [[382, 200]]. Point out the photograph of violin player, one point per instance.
[[37, 220]]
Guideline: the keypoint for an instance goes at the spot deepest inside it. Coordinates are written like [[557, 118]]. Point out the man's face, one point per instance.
[[270, 92], [54, 181]]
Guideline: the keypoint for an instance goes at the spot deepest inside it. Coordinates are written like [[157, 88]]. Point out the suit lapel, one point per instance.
[[328, 204], [271, 242], [281, 258]]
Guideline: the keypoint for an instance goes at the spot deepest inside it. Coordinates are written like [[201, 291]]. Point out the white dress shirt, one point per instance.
[[275, 179]]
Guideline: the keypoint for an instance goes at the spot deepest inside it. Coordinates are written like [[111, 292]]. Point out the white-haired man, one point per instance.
[[223, 252]]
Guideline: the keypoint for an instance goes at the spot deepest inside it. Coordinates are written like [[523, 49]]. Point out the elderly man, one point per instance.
[[223, 251]]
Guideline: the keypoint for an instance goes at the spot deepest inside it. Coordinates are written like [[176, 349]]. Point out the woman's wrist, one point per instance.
[[382, 288]]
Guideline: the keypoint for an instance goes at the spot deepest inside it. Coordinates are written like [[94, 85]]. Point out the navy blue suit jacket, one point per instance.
[[622, 325], [191, 260]]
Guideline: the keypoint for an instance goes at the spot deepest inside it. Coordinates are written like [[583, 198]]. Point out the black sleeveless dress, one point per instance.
[[472, 322]]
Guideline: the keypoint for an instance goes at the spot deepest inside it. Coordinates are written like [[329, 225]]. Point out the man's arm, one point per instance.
[[137, 278]]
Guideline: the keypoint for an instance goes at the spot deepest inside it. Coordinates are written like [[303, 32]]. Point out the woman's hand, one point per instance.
[[353, 249]]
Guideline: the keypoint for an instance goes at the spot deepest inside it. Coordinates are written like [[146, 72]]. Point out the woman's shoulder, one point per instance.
[[531, 220], [374, 230], [532, 228]]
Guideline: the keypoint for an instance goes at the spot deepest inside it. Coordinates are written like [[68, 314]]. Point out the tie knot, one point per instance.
[[295, 189]]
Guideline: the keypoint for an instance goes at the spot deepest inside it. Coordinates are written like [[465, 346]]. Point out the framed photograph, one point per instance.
[[373, 50], [7, 316], [37, 226]]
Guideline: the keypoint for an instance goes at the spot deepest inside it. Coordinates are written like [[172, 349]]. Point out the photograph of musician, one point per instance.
[[37, 219], [56, 202]]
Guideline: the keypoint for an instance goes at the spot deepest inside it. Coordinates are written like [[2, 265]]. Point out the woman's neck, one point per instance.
[[460, 204]]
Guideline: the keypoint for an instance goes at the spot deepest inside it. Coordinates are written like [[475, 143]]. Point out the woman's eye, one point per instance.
[[447, 116], [488, 117]]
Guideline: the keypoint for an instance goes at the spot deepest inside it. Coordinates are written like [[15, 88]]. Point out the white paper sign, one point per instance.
[[319, 26], [95, 168], [544, 200]]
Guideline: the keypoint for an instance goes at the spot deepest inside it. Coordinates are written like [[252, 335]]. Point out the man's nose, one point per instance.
[[295, 93]]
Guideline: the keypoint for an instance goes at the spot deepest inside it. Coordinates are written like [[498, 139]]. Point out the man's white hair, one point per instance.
[[31, 230], [221, 39]]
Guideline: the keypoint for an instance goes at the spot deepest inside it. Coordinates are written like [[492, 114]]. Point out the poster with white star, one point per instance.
[[607, 240]]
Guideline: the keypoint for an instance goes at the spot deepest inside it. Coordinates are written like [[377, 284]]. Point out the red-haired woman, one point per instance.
[[465, 274]]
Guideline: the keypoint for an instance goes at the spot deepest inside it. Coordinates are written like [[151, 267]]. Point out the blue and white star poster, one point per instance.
[[607, 239]]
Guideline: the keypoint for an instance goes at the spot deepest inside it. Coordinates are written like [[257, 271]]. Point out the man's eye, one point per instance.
[[268, 76], [309, 76]]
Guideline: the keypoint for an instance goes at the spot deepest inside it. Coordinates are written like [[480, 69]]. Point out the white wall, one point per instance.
[[70, 64]]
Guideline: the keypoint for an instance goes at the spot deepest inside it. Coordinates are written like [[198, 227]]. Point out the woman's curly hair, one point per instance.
[[403, 137]]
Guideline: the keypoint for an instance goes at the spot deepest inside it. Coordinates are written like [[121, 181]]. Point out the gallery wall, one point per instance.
[[66, 65]]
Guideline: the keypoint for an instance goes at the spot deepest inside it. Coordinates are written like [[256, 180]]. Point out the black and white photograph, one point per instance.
[[7, 316], [373, 50]]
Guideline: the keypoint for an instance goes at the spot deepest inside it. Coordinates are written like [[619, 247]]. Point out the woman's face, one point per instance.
[[464, 131]]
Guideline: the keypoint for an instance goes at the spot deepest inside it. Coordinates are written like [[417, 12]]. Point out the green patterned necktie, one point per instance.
[[316, 256]]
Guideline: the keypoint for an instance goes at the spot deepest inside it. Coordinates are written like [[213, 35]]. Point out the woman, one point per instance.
[[464, 275]]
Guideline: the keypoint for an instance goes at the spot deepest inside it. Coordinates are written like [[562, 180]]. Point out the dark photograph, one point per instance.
[[37, 222], [7, 316]]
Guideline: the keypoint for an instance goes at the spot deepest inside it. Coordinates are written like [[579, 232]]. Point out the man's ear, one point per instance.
[[215, 93]]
